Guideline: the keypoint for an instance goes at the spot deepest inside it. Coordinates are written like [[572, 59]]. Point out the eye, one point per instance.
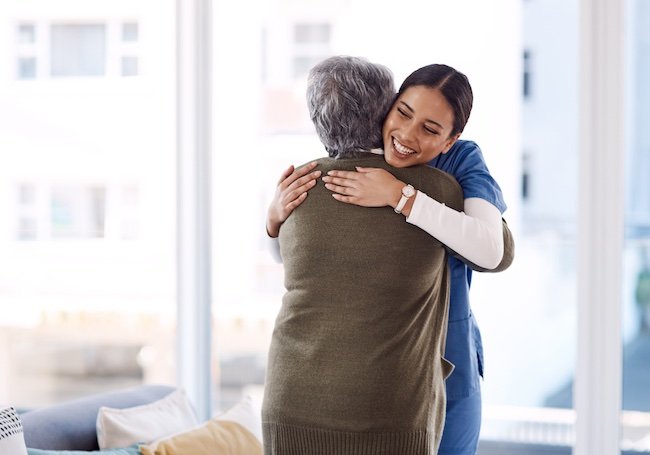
[[402, 112], [431, 131]]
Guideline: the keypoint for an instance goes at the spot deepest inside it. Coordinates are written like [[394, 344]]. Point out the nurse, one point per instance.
[[424, 125]]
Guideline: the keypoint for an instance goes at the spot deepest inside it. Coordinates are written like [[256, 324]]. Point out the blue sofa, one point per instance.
[[71, 425]]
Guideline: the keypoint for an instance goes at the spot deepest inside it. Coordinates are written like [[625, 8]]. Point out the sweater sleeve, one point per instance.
[[475, 234]]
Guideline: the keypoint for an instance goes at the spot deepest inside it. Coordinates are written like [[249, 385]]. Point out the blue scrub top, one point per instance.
[[464, 347]]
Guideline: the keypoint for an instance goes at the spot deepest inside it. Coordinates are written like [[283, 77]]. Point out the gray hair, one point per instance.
[[348, 99]]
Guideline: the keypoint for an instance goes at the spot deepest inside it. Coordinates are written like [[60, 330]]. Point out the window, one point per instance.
[[527, 75], [525, 177], [26, 51], [26, 68], [78, 50], [311, 44], [77, 212], [88, 266], [129, 66], [130, 32], [26, 34]]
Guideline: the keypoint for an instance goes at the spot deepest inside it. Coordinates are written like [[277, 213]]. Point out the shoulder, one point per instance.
[[462, 157], [465, 161]]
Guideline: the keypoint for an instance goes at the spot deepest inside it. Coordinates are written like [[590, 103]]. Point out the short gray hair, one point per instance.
[[348, 99]]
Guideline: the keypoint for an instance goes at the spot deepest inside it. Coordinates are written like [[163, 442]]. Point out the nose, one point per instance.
[[408, 131]]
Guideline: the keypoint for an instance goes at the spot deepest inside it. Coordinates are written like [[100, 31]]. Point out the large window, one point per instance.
[[87, 270], [635, 418]]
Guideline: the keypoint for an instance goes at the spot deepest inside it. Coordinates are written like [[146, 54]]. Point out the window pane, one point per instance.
[[87, 270], [130, 31], [78, 212], [635, 419], [312, 33], [529, 332], [129, 66], [26, 68], [26, 34], [78, 50]]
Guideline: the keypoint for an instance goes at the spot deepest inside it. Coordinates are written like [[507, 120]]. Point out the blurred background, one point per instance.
[[88, 191]]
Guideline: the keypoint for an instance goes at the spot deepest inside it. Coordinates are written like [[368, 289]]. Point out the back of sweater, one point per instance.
[[355, 364]]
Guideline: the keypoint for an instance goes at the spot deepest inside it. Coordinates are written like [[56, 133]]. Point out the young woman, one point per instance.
[[423, 126]]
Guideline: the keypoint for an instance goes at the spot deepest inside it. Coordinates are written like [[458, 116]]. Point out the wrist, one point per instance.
[[396, 192], [408, 192], [272, 228]]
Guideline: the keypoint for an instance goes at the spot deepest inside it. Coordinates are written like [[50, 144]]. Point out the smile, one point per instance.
[[402, 150]]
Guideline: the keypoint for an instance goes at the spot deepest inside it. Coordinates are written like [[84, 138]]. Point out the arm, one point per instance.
[[290, 192], [477, 235]]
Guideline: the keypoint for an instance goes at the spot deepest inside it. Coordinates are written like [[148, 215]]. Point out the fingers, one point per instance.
[[351, 175], [303, 183], [287, 172], [338, 181], [340, 189], [346, 199], [296, 202], [289, 178]]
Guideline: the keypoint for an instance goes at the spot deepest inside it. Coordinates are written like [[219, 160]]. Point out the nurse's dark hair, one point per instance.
[[348, 99], [453, 85]]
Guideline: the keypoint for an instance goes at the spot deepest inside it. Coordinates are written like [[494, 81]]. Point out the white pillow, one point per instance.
[[246, 414], [124, 427], [12, 440]]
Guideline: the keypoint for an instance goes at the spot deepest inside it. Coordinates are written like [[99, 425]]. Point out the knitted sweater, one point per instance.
[[355, 364]]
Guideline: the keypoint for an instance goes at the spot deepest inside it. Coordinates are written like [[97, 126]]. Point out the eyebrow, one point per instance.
[[426, 120]]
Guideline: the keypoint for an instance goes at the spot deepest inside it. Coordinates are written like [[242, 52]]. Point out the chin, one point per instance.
[[396, 162]]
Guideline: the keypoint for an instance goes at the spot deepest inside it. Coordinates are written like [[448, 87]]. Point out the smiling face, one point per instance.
[[418, 127]]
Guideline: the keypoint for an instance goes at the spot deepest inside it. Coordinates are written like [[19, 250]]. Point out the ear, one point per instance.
[[451, 141]]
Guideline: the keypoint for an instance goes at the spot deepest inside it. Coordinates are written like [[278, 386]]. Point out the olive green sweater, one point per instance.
[[355, 364]]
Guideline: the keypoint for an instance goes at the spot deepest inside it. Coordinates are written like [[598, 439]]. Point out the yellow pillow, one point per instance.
[[215, 436]]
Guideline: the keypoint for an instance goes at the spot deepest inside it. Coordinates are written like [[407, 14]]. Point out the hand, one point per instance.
[[368, 187], [290, 193]]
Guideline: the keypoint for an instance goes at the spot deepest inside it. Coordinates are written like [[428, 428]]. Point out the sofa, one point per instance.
[[71, 425], [144, 420]]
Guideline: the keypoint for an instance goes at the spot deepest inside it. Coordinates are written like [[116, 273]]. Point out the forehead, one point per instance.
[[428, 103]]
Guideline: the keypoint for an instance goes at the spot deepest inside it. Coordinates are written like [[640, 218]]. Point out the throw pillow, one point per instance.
[[125, 427], [11, 433], [238, 431], [124, 451]]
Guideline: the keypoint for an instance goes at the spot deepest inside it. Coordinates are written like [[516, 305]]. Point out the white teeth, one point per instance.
[[402, 149]]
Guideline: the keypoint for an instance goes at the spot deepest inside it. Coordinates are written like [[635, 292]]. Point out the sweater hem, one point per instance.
[[286, 439]]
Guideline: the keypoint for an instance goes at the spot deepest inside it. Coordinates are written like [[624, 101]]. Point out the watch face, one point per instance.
[[408, 191]]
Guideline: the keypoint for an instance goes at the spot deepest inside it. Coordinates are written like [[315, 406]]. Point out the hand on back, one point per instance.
[[290, 192], [368, 187]]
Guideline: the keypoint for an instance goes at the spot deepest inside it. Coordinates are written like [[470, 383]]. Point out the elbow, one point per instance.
[[493, 256]]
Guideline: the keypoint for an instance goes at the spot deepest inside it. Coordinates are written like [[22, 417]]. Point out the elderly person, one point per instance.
[[356, 360]]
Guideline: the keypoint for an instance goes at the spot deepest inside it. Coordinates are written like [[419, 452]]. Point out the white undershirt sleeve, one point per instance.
[[475, 234], [273, 245]]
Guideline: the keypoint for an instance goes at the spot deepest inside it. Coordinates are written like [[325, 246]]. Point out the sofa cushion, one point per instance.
[[121, 451], [145, 423], [238, 431], [71, 425], [11, 433]]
